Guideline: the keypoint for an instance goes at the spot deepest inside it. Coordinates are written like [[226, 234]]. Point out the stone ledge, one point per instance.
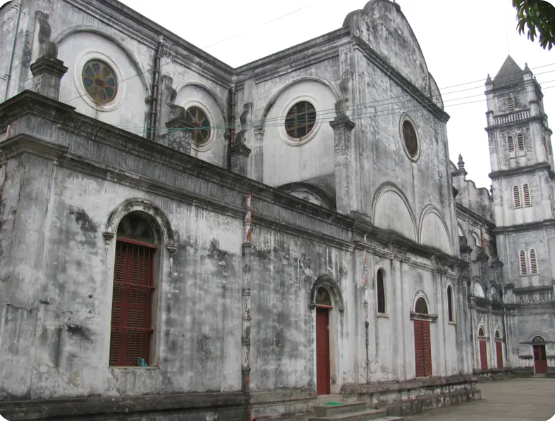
[[73, 408], [427, 403]]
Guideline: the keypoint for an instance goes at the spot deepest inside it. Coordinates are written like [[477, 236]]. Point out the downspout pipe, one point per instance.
[[9, 76], [155, 97]]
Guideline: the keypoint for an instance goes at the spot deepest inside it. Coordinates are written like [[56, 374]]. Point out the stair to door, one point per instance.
[[343, 411]]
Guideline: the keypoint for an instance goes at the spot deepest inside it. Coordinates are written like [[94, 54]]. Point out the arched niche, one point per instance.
[[333, 290], [392, 211], [433, 230]]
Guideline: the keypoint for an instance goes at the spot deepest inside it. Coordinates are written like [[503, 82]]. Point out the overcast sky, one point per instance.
[[462, 42]]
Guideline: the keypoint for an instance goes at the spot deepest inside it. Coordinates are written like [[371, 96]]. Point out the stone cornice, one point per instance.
[[522, 122], [525, 227], [419, 96], [541, 166]]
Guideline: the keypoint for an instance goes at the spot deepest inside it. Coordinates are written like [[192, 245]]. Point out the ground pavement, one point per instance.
[[511, 400]]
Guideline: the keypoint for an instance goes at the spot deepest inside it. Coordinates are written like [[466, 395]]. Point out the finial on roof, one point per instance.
[[526, 68], [488, 80], [461, 163]]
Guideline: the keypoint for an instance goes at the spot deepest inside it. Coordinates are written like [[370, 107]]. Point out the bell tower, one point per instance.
[[523, 200]]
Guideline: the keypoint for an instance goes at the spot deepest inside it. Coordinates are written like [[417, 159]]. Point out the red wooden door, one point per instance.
[[540, 360], [499, 352], [322, 352], [422, 348], [483, 355]]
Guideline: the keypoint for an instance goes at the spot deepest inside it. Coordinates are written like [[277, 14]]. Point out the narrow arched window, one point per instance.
[[522, 260], [510, 144], [132, 324], [520, 142], [450, 304], [526, 194], [481, 332], [380, 292], [511, 103], [533, 262], [516, 197], [497, 335]]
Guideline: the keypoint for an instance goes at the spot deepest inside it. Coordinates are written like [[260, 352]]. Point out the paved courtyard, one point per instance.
[[511, 400]]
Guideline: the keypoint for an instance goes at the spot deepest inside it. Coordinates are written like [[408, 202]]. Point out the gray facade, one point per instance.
[[248, 223]]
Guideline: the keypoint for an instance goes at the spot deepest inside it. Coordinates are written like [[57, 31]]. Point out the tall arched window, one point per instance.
[[533, 262], [520, 141], [450, 304], [511, 103], [380, 292], [526, 194], [522, 260], [481, 333], [132, 324], [516, 197], [510, 144], [421, 307]]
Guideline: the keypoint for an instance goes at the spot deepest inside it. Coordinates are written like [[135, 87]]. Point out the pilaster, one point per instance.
[[345, 185], [179, 138]]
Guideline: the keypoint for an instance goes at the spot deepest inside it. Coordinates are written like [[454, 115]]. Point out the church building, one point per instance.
[[184, 240]]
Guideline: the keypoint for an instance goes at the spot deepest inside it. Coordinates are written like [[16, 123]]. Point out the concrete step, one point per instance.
[[330, 398], [367, 414], [342, 408]]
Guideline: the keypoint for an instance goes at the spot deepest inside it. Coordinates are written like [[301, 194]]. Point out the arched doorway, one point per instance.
[[540, 359], [422, 340], [323, 373], [483, 349]]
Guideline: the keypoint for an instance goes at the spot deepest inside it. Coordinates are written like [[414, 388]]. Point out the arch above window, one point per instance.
[[323, 298], [421, 308], [332, 288]]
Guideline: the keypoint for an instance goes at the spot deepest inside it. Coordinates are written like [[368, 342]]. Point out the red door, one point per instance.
[[540, 360], [483, 355], [322, 352], [499, 352], [422, 348]]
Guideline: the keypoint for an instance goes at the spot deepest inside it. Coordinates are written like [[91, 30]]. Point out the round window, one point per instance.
[[196, 119], [409, 137], [300, 120], [99, 81]]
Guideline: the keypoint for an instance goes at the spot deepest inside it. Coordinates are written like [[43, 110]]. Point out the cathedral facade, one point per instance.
[[184, 240]]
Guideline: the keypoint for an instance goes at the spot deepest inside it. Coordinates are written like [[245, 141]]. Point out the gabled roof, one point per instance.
[[509, 74]]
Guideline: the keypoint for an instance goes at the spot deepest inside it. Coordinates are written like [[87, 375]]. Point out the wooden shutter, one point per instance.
[[427, 342], [533, 262], [520, 141], [131, 308], [499, 352], [483, 355], [511, 103], [526, 194], [522, 259], [510, 144], [419, 349], [516, 197]]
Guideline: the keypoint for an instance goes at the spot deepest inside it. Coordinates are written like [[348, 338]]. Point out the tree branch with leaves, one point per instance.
[[538, 17]]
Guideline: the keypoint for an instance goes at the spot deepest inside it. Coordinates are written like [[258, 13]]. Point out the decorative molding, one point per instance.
[[333, 289]]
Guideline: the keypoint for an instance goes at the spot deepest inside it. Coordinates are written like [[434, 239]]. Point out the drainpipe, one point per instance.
[[151, 130], [13, 52], [232, 118]]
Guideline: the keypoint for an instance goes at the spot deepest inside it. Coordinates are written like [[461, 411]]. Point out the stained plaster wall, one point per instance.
[[491, 322]]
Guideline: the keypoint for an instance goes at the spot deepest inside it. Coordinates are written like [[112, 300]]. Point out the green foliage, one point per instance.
[[539, 17]]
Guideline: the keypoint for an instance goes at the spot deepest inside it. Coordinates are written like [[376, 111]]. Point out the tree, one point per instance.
[[539, 17]]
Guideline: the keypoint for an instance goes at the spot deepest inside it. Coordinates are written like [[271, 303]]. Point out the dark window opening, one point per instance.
[[300, 120], [450, 303], [421, 306], [409, 136], [381, 292]]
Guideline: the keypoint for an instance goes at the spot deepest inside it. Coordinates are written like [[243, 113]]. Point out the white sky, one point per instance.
[[462, 42]]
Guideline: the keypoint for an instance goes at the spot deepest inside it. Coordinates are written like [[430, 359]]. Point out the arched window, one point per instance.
[[526, 194], [533, 262], [380, 292], [520, 141], [511, 103], [522, 260], [516, 197], [421, 307], [450, 304], [497, 335], [510, 144], [481, 333], [323, 298], [132, 324]]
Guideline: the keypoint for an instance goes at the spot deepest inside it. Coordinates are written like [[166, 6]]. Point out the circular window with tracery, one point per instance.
[[300, 120], [100, 81], [410, 139], [197, 120]]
